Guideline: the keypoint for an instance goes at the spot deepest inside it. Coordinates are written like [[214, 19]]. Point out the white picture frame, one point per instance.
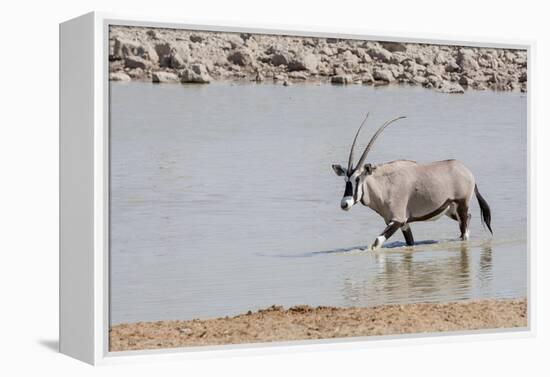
[[84, 193]]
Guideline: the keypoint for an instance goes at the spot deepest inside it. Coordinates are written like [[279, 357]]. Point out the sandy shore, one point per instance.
[[304, 322]]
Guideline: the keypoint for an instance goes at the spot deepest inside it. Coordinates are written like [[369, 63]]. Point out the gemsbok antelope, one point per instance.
[[403, 191]]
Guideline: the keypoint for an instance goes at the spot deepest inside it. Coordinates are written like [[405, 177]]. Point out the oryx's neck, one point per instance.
[[373, 195], [365, 198]]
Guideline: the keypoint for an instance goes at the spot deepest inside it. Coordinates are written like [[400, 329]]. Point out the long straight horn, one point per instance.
[[350, 160], [371, 142]]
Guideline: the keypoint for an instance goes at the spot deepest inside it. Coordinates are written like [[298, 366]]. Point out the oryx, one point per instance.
[[404, 191]]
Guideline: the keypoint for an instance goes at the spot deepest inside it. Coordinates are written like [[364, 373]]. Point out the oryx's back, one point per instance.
[[448, 177]]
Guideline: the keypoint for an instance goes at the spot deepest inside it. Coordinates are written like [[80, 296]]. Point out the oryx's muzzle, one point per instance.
[[347, 200]]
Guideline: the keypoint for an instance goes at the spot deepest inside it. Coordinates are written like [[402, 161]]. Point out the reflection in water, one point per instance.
[[418, 276], [485, 264]]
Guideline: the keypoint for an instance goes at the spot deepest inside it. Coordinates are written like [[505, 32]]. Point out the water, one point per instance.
[[223, 199]]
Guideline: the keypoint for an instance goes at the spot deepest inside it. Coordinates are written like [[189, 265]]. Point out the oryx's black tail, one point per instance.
[[485, 209]]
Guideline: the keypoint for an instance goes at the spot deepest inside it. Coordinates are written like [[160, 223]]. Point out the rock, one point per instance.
[[493, 78], [515, 86], [137, 74], [397, 58], [195, 38], [435, 70], [259, 77], [396, 70], [304, 62], [466, 60], [152, 34], [451, 88], [298, 75], [163, 50], [422, 60], [421, 80], [454, 76], [350, 58], [380, 54], [435, 80], [234, 40], [164, 77], [523, 77], [287, 83], [310, 42], [197, 73], [442, 58], [509, 57], [404, 77], [327, 51], [362, 54], [428, 85], [177, 61], [394, 46], [172, 55], [280, 58], [367, 78], [119, 76], [412, 67], [125, 47], [116, 65], [521, 58], [251, 44], [151, 54], [169, 57], [182, 50], [383, 75], [325, 70], [208, 64], [137, 62], [240, 57], [341, 79], [452, 67], [487, 61], [362, 68], [523, 87]]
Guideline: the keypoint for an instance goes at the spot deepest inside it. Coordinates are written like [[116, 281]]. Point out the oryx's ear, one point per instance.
[[369, 168], [339, 170]]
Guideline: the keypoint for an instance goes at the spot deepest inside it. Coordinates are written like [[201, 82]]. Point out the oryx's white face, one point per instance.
[[354, 186]]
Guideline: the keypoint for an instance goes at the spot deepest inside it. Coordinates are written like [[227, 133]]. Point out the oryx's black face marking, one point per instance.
[[351, 189], [349, 198]]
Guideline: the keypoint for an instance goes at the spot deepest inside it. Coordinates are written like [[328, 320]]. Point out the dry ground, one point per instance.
[[304, 322]]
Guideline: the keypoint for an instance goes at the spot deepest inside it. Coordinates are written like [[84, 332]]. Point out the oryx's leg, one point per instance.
[[387, 233], [451, 212], [463, 220], [406, 229]]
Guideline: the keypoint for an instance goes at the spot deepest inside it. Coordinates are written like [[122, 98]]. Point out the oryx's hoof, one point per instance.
[[378, 243], [465, 236]]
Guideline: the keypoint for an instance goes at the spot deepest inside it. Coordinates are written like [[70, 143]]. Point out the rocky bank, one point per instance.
[[183, 56]]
